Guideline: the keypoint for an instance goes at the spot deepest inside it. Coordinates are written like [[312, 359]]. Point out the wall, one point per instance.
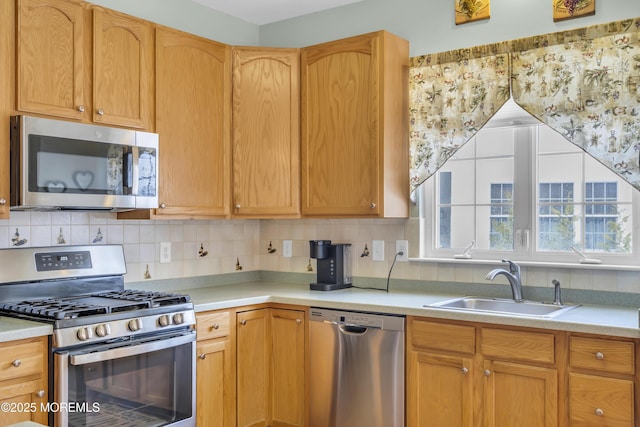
[[430, 26]]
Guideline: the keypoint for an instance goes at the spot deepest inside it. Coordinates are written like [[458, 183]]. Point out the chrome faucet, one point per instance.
[[557, 293], [513, 276]]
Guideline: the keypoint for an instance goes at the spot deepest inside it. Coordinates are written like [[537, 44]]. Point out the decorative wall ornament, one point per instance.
[[584, 83], [567, 9], [238, 266], [202, 252], [365, 251], [16, 240], [147, 273], [271, 249], [309, 266], [471, 10], [61, 240], [98, 237]]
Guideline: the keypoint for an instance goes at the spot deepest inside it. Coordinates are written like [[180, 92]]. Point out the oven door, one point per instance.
[[146, 382]]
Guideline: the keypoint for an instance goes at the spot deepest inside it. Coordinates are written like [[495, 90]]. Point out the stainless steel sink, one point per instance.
[[505, 306]]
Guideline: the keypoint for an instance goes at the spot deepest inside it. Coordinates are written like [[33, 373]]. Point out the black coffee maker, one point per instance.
[[334, 265]]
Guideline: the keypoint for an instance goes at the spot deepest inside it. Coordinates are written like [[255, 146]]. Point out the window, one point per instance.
[[527, 193]]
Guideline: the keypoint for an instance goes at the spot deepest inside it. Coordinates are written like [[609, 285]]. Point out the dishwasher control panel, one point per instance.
[[353, 318]]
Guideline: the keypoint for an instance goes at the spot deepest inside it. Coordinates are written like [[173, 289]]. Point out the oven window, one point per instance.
[[150, 389]]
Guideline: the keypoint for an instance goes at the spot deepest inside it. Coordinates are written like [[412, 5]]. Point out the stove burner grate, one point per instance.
[[54, 309]]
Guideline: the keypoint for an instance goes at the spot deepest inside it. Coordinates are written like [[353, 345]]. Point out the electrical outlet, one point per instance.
[[402, 246], [286, 248], [377, 248], [165, 252]]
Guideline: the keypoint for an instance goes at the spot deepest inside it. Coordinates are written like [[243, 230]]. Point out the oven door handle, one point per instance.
[[118, 352]]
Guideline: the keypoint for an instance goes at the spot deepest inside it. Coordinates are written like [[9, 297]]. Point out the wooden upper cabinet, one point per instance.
[[50, 59], [266, 132], [354, 112], [57, 66], [193, 119], [123, 70]]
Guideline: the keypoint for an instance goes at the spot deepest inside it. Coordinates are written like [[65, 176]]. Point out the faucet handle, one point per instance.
[[513, 267]]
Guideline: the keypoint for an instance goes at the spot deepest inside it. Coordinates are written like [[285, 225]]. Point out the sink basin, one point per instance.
[[505, 306]]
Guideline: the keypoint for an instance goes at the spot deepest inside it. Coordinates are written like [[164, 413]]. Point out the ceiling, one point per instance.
[[262, 12]]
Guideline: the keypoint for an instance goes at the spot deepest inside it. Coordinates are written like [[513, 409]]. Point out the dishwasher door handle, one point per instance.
[[352, 330]]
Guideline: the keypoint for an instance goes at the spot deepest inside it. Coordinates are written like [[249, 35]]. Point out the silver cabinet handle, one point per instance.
[[16, 363], [40, 393], [298, 321], [81, 108], [163, 205], [3, 201], [599, 412], [237, 205], [372, 205], [487, 372], [215, 326], [101, 112], [202, 356], [243, 322], [600, 355], [465, 370]]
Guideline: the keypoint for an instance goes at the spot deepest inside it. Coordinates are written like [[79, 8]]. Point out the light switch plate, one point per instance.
[[286, 248], [377, 248], [165, 252]]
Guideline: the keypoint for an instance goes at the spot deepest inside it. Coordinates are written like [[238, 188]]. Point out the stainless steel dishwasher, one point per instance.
[[357, 369]]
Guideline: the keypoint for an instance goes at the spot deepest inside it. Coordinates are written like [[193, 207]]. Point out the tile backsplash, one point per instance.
[[209, 247]]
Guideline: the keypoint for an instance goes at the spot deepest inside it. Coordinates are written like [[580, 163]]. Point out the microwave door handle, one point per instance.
[[135, 181], [118, 352]]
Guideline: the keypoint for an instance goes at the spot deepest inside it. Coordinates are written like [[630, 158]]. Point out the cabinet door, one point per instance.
[[253, 356], [7, 49], [340, 152], [519, 395], [288, 369], [123, 70], [214, 406], [599, 401], [193, 118], [50, 64], [266, 129], [440, 391], [27, 398]]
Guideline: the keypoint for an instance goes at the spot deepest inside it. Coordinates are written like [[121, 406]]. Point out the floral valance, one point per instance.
[[584, 83]]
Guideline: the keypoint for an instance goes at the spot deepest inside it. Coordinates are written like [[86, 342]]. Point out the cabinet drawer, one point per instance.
[[212, 325], [600, 401], [518, 345], [442, 336], [21, 358], [602, 355]]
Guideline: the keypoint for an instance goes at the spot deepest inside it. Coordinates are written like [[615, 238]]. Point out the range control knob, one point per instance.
[[164, 320], [84, 334], [178, 318], [134, 325], [103, 330]]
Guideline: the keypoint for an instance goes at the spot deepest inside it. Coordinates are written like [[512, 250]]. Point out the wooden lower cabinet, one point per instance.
[[602, 381], [23, 381], [271, 367], [215, 371], [463, 374]]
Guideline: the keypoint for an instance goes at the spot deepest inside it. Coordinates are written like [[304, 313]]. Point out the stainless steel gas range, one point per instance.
[[118, 357]]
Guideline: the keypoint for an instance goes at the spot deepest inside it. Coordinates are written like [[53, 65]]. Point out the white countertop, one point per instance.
[[16, 329], [593, 319]]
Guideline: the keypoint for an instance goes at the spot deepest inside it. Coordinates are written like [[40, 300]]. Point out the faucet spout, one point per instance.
[[513, 277]]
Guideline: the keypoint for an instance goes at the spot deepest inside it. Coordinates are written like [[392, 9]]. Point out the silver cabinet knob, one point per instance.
[[215, 326], [599, 412], [487, 372], [237, 205], [202, 356], [3, 201], [372, 205], [16, 363], [600, 355], [465, 370], [243, 322], [81, 108], [163, 205], [101, 112], [40, 393], [298, 321]]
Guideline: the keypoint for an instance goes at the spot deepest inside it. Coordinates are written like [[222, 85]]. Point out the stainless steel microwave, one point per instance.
[[58, 165]]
